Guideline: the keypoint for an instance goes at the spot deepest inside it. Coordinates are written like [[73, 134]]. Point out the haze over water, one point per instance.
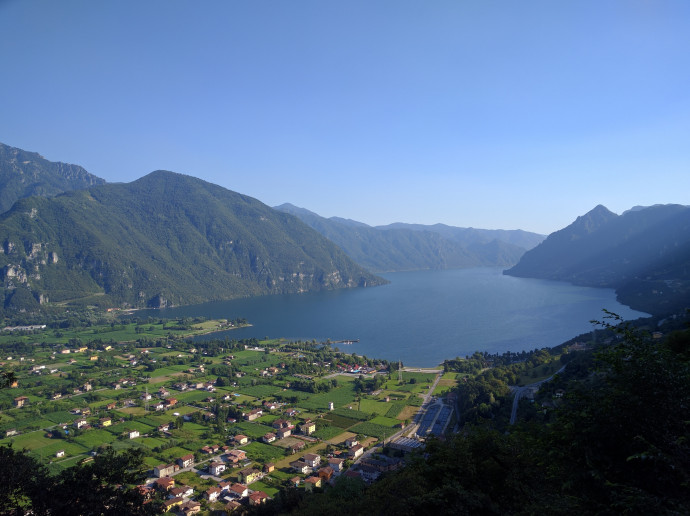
[[424, 317]]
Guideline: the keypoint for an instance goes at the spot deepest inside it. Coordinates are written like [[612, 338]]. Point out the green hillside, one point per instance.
[[27, 174], [161, 240]]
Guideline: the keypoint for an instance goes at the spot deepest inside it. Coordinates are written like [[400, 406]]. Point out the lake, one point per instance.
[[423, 317]]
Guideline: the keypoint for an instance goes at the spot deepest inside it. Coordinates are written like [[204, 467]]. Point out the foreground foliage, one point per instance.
[[99, 487]]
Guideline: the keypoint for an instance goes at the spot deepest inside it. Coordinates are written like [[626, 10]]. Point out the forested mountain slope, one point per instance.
[[163, 239], [26, 174]]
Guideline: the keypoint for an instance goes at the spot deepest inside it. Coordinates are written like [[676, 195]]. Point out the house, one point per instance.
[[249, 475], [257, 498], [253, 414], [283, 433], [159, 406], [172, 502], [298, 446], [236, 456], [336, 464], [232, 506], [241, 439], [312, 460], [186, 461], [369, 473], [269, 467], [312, 482], [300, 466], [11, 432], [325, 473], [239, 490], [356, 451], [133, 434], [146, 492], [291, 412], [165, 470], [280, 423], [270, 405], [80, 423], [308, 428], [351, 441], [170, 402], [20, 401], [269, 437], [216, 468], [165, 483], [111, 406], [105, 421], [294, 481], [60, 453], [164, 427], [212, 494], [190, 507], [182, 491]]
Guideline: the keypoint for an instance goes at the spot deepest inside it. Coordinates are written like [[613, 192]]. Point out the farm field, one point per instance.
[[215, 385]]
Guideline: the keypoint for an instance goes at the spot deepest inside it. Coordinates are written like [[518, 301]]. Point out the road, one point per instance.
[[520, 391]]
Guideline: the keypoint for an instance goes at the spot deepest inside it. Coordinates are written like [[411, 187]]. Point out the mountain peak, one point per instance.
[[590, 222]]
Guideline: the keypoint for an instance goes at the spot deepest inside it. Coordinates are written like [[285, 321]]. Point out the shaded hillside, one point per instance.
[[163, 239], [395, 249], [643, 253], [26, 174]]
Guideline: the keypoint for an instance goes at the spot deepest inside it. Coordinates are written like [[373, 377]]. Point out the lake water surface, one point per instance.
[[423, 317]]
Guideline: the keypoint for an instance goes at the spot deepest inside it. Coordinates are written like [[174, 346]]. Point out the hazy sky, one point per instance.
[[513, 114]]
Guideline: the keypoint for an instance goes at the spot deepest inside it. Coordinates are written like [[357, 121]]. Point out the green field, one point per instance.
[[259, 391], [250, 429], [340, 396], [374, 406], [328, 432], [372, 429], [263, 452]]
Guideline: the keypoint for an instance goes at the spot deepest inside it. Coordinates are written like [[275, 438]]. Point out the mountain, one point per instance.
[[644, 254], [409, 247], [165, 239], [28, 174], [471, 236]]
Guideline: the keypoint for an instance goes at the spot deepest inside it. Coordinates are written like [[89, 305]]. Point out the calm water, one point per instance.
[[423, 317]]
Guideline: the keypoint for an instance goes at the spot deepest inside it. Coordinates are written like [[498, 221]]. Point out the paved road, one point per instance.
[[520, 391]]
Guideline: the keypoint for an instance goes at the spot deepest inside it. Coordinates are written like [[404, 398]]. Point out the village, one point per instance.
[[223, 424]]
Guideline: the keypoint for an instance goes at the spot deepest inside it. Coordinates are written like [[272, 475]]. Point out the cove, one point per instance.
[[423, 317]]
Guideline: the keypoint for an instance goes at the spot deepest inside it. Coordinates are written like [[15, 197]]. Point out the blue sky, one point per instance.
[[471, 113]]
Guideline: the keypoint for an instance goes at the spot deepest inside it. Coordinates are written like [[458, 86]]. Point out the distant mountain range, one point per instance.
[[168, 239], [28, 174], [413, 246], [165, 239], [644, 254]]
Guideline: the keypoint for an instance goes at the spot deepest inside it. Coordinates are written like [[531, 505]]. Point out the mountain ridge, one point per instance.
[[644, 254], [164, 239], [28, 174], [392, 248]]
